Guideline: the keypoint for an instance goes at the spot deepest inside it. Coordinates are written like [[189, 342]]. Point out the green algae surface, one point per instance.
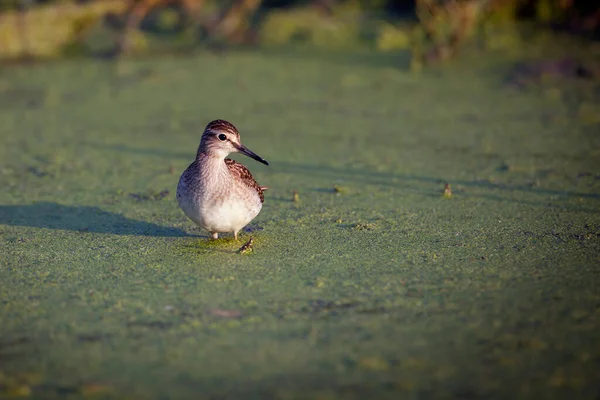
[[366, 283]]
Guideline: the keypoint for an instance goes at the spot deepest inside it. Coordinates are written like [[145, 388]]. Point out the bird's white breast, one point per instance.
[[220, 204]]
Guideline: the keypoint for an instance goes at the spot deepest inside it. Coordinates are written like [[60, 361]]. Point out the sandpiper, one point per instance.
[[217, 193]]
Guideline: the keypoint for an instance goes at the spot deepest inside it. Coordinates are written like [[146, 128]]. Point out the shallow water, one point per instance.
[[379, 289]]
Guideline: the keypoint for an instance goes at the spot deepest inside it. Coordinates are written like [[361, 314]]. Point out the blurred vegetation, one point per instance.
[[432, 30]]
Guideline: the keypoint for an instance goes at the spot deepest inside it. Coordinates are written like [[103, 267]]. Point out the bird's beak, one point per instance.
[[246, 151]]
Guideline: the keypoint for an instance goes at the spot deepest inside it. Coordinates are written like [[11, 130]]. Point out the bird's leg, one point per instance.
[[215, 235], [235, 235]]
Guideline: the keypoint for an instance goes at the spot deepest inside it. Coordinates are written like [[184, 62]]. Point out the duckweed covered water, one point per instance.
[[385, 289]]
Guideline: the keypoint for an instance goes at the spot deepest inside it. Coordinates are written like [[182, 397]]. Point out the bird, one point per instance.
[[217, 193]]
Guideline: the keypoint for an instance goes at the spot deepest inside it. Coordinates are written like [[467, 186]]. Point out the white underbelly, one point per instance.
[[228, 216], [221, 216]]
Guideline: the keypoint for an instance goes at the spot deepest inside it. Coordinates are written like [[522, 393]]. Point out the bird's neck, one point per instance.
[[209, 157], [211, 163]]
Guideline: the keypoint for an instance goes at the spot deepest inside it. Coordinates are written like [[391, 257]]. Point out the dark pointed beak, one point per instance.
[[246, 151]]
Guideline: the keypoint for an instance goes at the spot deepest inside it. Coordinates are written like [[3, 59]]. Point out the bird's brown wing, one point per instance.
[[244, 174]]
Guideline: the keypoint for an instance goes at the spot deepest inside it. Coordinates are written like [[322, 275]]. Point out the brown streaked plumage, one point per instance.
[[217, 193], [242, 172]]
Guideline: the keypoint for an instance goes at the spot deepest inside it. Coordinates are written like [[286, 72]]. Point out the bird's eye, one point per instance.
[[222, 136]]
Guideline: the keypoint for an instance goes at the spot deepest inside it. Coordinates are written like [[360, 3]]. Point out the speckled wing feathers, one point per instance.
[[244, 174]]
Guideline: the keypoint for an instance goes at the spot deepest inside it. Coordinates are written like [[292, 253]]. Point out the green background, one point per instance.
[[379, 289]]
